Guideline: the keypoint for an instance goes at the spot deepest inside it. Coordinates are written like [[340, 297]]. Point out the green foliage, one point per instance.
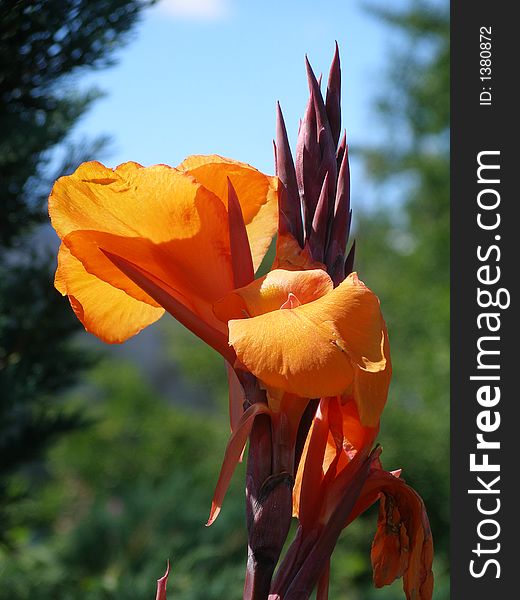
[[201, 369], [44, 45], [127, 494], [403, 255], [31, 319]]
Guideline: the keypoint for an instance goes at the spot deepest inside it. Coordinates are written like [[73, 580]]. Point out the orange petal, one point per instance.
[[403, 543], [130, 201], [270, 292], [348, 434], [234, 450], [345, 436], [166, 297], [374, 387], [390, 545], [257, 194], [307, 487], [290, 256], [112, 315], [158, 218], [313, 350]]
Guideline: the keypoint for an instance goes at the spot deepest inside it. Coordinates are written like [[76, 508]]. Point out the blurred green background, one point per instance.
[[107, 468]]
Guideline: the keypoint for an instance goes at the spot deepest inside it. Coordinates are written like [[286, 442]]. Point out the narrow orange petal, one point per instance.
[[105, 311], [256, 192], [352, 435], [345, 436], [313, 350], [234, 450], [312, 472]]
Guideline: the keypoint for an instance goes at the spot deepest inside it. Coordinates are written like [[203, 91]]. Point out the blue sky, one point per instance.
[[203, 76]]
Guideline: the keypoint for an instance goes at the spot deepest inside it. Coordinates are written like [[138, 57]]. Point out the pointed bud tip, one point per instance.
[[336, 50], [213, 514], [310, 71]]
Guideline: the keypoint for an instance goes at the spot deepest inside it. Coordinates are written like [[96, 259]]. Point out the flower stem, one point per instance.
[[268, 503]]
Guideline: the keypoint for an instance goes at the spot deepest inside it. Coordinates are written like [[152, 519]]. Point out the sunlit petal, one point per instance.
[[112, 314], [256, 192], [158, 218], [314, 350], [270, 292]]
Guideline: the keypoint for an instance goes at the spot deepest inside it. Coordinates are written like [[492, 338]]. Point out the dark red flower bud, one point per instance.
[[290, 200], [333, 100]]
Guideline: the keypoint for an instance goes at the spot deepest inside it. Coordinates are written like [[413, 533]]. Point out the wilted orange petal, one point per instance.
[[256, 192], [270, 292], [157, 218], [313, 350], [112, 315], [416, 547], [391, 544]]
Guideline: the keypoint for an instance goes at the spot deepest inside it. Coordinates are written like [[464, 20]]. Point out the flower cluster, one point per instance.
[[305, 346]]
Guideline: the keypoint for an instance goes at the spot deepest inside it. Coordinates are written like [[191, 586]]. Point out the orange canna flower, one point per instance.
[[136, 241], [302, 338], [307, 351], [325, 341]]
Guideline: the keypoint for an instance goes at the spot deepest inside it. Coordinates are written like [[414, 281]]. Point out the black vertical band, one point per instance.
[[484, 321]]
